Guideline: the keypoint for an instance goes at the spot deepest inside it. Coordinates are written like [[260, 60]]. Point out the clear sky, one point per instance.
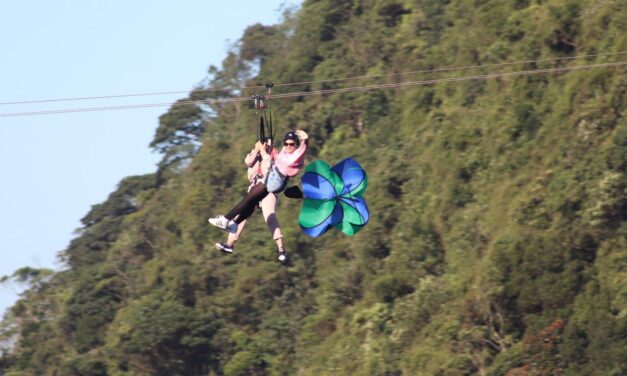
[[54, 167]]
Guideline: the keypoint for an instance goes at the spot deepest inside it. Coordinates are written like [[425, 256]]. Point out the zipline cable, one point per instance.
[[328, 91], [451, 79], [449, 69], [434, 70]]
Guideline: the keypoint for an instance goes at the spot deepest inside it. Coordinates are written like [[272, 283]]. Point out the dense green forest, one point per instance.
[[497, 242]]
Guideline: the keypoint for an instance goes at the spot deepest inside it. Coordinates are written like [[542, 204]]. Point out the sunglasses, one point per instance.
[[289, 143]]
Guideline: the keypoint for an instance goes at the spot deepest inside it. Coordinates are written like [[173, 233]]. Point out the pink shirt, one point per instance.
[[290, 164]]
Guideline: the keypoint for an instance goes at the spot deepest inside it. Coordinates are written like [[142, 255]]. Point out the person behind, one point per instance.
[[258, 164], [286, 164]]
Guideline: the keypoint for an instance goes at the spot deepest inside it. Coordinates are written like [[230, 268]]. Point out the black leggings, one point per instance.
[[246, 207]]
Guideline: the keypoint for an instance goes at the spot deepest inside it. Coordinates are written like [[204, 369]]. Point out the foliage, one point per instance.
[[497, 235]]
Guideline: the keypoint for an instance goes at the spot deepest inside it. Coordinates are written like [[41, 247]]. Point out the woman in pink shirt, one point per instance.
[[258, 167], [286, 164]]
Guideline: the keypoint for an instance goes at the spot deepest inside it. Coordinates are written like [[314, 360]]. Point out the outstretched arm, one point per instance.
[[302, 135]]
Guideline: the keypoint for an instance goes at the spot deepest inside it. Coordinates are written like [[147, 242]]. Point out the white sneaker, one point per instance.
[[224, 224]]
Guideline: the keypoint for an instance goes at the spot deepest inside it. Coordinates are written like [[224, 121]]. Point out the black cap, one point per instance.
[[291, 135]]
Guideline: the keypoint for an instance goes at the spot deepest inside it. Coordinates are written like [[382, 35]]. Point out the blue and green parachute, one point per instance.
[[333, 198]]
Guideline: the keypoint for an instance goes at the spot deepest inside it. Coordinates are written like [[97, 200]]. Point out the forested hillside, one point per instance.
[[497, 242]]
